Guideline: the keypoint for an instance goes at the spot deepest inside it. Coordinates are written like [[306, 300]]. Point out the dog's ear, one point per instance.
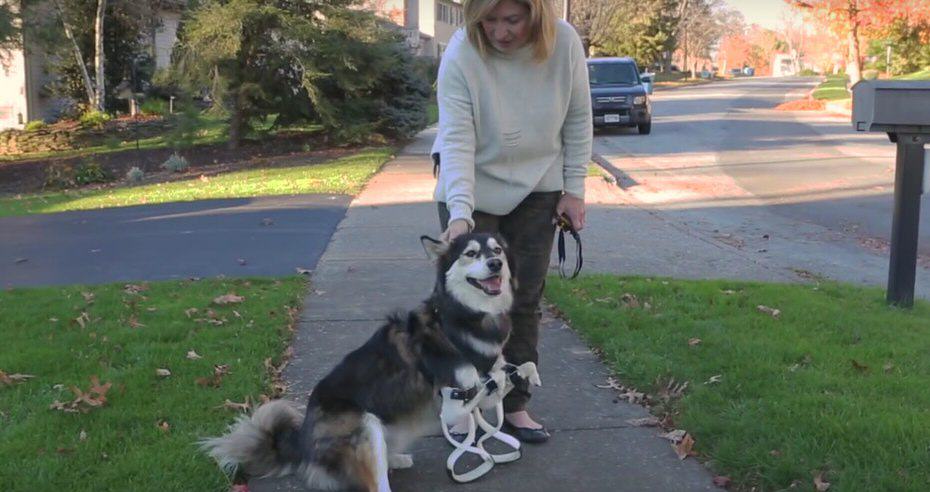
[[434, 248]]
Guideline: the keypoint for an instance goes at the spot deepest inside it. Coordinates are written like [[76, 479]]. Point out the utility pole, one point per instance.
[[888, 59]]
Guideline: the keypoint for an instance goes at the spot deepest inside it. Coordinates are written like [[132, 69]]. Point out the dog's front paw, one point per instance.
[[529, 372], [400, 461]]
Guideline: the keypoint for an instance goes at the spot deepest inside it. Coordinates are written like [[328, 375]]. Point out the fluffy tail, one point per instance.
[[264, 444]]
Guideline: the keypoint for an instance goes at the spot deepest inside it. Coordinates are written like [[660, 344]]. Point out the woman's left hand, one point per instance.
[[573, 208]]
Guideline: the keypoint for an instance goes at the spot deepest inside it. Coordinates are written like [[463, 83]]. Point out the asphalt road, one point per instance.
[[720, 159], [266, 236]]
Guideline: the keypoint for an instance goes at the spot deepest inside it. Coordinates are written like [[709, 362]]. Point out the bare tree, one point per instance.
[[99, 57], [596, 21]]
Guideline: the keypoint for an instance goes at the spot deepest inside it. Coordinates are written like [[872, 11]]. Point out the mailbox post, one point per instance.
[[902, 110]]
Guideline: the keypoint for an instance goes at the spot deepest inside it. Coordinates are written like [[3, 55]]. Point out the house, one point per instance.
[[23, 75]]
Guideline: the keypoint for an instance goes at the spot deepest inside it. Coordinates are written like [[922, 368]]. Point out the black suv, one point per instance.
[[619, 94]]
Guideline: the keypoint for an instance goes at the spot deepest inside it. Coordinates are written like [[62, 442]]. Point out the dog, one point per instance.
[[361, 418]]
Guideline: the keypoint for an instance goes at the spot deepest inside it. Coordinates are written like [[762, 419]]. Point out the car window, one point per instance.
[[612, 74]]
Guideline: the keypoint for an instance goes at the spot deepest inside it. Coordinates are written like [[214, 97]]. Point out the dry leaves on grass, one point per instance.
[[858, 365], [630, 300], [775, 313], [820, 483], [228, 299], [193, 355], [83, 319], [694, 342], [670, 390], [214, 381], [135, 289], [163, 426], [94, 397], [629, 394], [162, 373], [11, 379], [88, 297], [303, 271], [238, 407]]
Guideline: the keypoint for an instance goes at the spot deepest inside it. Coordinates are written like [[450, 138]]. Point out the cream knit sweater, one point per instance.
[[509, 125]]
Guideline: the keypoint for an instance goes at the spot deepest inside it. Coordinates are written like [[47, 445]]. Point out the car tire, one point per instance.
[[645, 128]]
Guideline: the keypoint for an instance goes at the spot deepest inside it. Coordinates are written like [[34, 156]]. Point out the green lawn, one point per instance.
[[144, 437], [837, 384], [921, 75], [344, 175], [198, 129], [832, 89], [432, 113]]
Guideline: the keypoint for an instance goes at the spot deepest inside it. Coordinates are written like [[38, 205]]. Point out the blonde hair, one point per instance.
[[542, 25]]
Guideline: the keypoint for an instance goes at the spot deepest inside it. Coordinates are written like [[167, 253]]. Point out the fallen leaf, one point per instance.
[[714, 379], [163, 426], [694, 341], [83, 319], [303, 271], [193, 355], [88, 297], [135, 288], [134, 323], [858, 366], [683, 448], [629, 300], [644, 422], [722, 481], [267, 222], [151, 309], [888, 367], [236, 314], [239, 407], [82, 436], [11, 379], [775, 453], [204, 179], [53, 320], [675, 436], [820, 484], [190, 311], [775, 313], [228, 299], [162, 373]]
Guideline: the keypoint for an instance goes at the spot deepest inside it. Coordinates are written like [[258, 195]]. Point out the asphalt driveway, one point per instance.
[[266, 236]]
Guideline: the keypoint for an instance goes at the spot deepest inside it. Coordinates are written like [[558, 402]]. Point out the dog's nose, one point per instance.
[[495, 264]]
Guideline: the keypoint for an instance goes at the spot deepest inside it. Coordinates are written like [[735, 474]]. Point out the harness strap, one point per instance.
[[564, 225]]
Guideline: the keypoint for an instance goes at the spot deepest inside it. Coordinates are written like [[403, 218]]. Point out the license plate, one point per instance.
[[611, 118]]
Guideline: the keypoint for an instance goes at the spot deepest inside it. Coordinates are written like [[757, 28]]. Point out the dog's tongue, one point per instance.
[[491, 284]]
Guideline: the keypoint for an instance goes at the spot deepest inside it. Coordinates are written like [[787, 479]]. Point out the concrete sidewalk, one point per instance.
[[375, 264]]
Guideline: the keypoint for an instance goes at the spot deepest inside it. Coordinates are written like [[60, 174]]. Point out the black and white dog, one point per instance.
[[363, 415]]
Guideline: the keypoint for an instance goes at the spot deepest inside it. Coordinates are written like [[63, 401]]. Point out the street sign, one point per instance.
[[902, 110]]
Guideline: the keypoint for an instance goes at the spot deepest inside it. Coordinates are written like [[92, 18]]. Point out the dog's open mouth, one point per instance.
[[491, 285]]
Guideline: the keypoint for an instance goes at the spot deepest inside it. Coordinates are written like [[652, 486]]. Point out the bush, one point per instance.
[[90, 172], [94, 118], [154, 106], [35, 125], [59, 176], [870, 74], [134, 175], [406, 95], [807, 72], [175, 163]]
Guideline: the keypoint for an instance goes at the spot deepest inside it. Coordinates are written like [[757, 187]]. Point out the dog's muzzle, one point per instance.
[[468, 405], [490, 285]]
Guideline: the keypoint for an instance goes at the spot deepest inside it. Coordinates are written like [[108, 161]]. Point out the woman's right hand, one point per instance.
[[456, 228]]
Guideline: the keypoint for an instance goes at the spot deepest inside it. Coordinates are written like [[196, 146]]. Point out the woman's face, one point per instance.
[[507, 26]]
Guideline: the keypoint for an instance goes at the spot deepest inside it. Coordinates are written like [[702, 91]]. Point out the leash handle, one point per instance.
[[564, 225]]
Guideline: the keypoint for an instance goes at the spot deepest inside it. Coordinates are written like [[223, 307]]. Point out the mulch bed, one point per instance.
[[802, 105]]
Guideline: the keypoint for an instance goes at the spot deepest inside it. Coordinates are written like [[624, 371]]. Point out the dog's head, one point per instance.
[[475, 269]]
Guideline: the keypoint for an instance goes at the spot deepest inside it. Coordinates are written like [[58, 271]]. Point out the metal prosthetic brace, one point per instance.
[[469, 404]]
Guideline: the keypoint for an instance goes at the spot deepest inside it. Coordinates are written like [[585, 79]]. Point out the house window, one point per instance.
[[450, 14]]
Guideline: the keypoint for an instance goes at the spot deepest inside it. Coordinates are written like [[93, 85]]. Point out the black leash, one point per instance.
[[564, 225]]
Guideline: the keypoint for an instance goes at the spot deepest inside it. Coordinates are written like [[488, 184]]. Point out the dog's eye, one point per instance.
[[471, 254], [497, 251]]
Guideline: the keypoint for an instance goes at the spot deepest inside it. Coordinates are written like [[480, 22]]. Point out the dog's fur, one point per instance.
[[363, 415]]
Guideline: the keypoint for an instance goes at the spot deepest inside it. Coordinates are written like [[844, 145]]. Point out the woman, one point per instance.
[[512, 151]]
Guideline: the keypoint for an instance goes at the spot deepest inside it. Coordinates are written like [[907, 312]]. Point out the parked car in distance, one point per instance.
[[620, 94]]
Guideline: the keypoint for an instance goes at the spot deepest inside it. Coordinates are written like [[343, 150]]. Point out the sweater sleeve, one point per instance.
[[577, 130], [457, 134]]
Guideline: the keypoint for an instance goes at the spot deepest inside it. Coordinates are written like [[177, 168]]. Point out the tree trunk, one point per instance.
[[235, 121], [99, 55], [88, 85]]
